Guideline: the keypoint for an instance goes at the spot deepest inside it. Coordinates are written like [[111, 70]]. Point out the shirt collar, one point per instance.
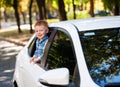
[[46, 37]]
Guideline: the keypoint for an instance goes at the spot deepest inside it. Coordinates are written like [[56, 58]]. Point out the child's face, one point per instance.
[[41, 31]]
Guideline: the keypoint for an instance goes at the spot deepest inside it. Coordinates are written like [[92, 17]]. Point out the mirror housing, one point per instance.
[[55, 77]]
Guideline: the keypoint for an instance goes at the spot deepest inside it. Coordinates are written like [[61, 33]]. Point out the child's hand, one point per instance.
[[31, 60], [35, 60]]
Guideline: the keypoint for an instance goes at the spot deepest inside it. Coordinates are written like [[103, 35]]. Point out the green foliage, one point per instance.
[[111, 3], [76, 2], [79, 14], [54, 3], [6, 3]]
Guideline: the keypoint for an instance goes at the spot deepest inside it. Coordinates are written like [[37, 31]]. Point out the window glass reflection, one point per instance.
[[102, 53]]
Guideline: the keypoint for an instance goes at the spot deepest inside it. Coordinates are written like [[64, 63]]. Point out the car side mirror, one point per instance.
[[55, 77]]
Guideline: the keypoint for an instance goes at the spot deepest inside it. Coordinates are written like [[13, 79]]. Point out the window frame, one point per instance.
[[49, 43], [54, 30]]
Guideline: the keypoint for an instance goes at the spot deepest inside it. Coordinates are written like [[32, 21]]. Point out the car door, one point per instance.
[[60, 53], [29, 73]]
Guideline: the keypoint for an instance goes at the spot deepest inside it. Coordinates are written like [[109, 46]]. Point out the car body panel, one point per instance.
[[90, 23], [29, 74], [72, 30]]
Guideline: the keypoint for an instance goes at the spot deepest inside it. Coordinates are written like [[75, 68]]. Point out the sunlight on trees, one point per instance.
[[74, 9]]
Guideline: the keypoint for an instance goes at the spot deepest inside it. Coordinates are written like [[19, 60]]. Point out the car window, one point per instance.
[[32, 46], [101, 49], [61, 54]]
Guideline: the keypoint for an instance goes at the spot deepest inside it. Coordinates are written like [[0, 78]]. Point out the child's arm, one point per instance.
[[36, 60]]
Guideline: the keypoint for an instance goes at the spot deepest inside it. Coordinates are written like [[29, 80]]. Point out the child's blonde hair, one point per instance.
[[41, 22]]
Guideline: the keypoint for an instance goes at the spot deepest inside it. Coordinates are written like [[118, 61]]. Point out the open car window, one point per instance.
[[61, 54], [32, 46]]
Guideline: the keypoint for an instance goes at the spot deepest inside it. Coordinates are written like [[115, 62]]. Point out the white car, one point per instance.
[[79, 53]]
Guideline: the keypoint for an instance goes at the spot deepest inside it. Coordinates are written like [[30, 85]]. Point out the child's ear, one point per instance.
[[47, 30]]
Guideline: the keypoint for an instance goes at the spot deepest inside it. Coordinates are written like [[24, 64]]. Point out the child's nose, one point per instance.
[[39, 32]]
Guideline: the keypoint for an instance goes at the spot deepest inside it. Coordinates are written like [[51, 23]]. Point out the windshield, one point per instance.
[[102, 54]]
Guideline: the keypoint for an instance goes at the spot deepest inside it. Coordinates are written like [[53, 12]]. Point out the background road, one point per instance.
[[8, 51], [5, 26]]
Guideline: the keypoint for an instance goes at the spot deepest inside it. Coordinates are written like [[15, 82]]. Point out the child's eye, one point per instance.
[[41, 30], [36, 31]]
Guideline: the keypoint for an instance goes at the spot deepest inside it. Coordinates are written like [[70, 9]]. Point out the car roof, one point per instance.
[[90, 23]]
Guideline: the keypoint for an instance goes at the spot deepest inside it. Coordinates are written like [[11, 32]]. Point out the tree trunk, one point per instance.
[[5, 16], [0, 24], [91, 8], [0, 19], [74, 15], [15, 6], [116, 8], [24, 15], [62, 13], [42, 9], [30, 16]]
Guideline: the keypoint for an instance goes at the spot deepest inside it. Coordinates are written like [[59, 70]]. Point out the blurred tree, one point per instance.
[[15, 6], [62, 12], [74, 15], [0, 18], [42, 9], [76, 5], [112, 5], [51, 8], [30, 15], [5, 15], [23, 9], [83, 4], [92, 8], [57, 5], [68, 5], [4, 3], [48, 7]]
